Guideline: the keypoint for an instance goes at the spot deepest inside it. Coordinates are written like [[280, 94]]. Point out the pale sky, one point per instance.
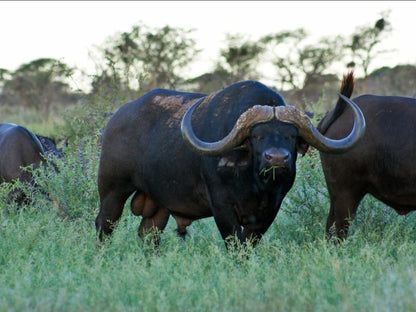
[[69, 30]]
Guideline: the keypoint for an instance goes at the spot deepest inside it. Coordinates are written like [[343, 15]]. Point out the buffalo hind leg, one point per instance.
[[182, 223], [142, 205], [151, 227], [342, 211], [112, 204], [154, 218]]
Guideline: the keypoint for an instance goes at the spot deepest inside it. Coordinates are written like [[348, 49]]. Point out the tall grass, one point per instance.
[[50, 259]]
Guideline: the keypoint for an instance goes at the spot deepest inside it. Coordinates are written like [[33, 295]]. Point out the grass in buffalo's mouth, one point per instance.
[[265, 171]]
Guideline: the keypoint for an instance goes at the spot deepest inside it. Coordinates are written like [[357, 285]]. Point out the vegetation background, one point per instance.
[[49, 257]]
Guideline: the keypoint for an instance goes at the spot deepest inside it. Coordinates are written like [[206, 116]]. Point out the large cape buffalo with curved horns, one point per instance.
[[20, 148], [230, 154], [381, 164]]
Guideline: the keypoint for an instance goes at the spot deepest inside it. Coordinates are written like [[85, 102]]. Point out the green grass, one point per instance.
[[31, 119], [50, 259]]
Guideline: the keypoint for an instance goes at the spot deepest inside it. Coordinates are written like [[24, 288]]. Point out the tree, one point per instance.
[[240, 58], [365, 41], [38, 84], [295, 61], [316, 59], [3, 73], [149, 58], [4, 76], [282, 49], [208, 82]]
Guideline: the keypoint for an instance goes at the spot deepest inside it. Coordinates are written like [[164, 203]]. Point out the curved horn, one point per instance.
[[311, 135], [252, 116]]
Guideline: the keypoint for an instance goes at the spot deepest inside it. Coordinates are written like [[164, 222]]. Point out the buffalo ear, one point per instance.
[[302, 146], [239, 157]]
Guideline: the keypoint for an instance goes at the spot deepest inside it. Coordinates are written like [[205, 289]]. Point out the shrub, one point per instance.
[[73, 189]]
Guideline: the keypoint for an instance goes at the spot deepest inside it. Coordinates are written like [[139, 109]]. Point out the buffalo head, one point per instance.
[[275, 135]]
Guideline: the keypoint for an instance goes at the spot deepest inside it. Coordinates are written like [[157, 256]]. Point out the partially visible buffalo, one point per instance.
[[20, 148], [235, 160], [380, 164]]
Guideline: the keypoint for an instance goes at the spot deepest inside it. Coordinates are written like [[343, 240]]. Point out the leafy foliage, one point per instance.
[[88, 117], [296, 61], [282, 47], [38, 84], [315, 59], [365, 40], [72, 189], [147, 58], [240, 58]]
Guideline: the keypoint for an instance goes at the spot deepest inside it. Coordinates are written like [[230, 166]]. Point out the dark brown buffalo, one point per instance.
[[381, 163], [21, 148], [235, 161]]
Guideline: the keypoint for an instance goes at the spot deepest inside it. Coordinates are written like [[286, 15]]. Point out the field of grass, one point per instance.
[[50, 259]]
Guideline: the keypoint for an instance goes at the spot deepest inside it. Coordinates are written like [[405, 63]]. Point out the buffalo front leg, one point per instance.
[[255, 231], [342, 211], [111, 208], [254, 235], [229, 227], [224, 216]]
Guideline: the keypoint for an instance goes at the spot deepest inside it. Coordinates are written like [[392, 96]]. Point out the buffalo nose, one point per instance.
[[276, 156]]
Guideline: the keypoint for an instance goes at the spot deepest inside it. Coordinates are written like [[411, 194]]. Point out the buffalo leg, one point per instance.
[[182, 223], [112, 204], [255, 235], [154, 225], [224, 216], [343, 209], [228, 226]]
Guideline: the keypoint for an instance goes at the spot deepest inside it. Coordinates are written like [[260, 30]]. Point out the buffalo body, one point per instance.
[[380, 164], [160, 148], [20, 148]]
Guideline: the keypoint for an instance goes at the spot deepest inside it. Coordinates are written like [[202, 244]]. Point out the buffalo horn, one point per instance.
[[311, 135], [252, 116]]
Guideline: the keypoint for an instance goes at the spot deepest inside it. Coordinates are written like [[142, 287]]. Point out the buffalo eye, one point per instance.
[[257, 137], [290, 137]]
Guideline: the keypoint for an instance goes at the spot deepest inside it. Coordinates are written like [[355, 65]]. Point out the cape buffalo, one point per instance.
[[235, 161], [20, 148], [381, 164]]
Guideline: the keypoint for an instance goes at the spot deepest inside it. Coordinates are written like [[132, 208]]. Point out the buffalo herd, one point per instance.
[[231, 155]]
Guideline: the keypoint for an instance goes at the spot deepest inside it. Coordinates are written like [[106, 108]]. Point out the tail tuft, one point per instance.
[[347, 85]]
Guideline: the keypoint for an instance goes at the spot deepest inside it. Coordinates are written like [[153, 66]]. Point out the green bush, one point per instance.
[[89, 115], [73, 189]]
